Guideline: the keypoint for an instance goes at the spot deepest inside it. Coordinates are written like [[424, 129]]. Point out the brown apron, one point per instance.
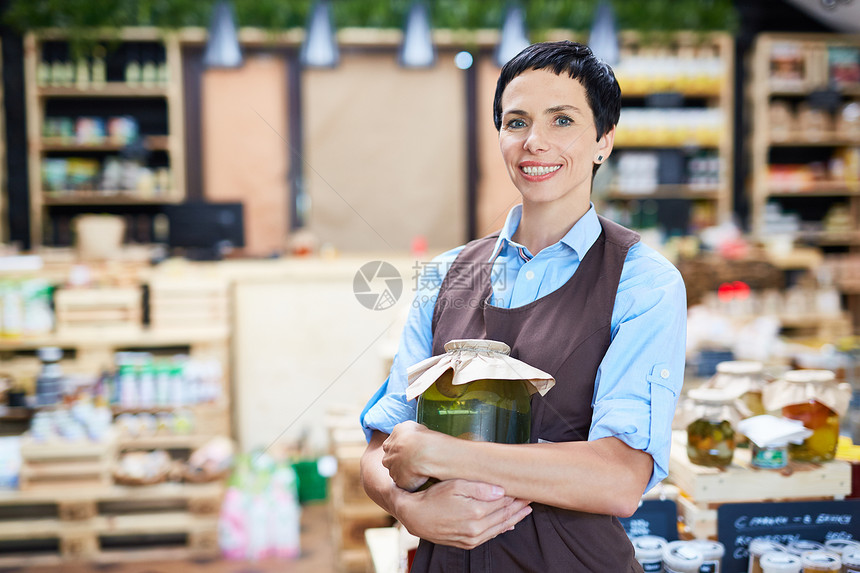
[[565, 333]]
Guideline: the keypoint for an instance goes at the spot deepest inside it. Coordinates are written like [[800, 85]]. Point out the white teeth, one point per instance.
[[539, 170]]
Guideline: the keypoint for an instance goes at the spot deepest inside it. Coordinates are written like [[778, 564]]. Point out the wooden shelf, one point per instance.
[[818, 190], [669, 192], [108, 90], [806, 89], [151, 142], [163, 442], [657, 144], [108, 198], [824, 140], [120, 339], [823, 238]]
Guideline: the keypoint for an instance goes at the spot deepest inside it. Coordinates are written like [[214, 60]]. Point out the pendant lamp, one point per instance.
[[417, 50], [514, 37], [603, 40], [222, 46], [319, 49]]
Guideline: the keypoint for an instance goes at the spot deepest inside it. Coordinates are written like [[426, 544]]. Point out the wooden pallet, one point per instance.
[[104, 310], [704, 489], [188, 302], [109, 524], [72, 464]]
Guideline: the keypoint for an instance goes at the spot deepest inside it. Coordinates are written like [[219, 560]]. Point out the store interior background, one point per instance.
[[370, 161]]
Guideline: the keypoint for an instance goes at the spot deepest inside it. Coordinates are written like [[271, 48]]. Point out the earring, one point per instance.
[[599, 158]]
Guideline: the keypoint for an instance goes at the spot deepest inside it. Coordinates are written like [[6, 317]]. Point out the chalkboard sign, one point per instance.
[[654, 517], [784, 522]]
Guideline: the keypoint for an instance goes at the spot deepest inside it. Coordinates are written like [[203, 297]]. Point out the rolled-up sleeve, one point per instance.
[[388, 406], [640, 377]]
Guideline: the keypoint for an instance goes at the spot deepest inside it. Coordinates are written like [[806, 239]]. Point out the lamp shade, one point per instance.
[[514, 37], [417, 50], [603, 40], [222, 46], [319, 49]]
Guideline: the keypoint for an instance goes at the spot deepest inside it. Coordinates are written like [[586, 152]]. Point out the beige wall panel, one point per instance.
[[245, 157], [303, 343], [385, 156], [496, 192]]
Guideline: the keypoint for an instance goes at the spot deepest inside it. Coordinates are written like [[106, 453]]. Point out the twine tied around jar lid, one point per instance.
[[801, 386], [475, 359]]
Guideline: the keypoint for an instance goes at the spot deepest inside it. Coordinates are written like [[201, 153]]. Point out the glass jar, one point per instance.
[[851, 561], [823, 421], [710, 437], [483, 410], [649, 552], [758, 547], [682, 557], [820, 562], [746, 379], [780, 562], [770, 457]]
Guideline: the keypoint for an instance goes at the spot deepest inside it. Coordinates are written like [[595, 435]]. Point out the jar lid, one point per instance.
[[710, 395], [649, 546], [760, 546], [819, 558], [841, 545], [710, 549], [851, 556], [780, 562], [801, 546], [740, 367], [683, 555], [806, 376], [50, 354], [477, 344]]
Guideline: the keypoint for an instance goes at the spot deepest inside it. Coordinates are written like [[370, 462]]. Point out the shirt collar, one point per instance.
[[580, 237]]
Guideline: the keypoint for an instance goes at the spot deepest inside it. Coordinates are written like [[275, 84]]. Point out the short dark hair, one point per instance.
[[576, 60]]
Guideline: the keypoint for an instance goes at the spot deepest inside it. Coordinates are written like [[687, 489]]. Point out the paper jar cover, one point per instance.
[[780, 393], [475, 360]]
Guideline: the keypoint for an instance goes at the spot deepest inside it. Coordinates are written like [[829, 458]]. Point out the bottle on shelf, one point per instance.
[[99, 67], [132, 67]]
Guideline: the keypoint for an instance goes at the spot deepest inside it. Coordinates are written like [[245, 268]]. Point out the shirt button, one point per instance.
[[530, 275], [664, 374]]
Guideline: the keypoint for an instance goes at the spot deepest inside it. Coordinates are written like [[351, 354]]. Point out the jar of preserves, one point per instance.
[[780, 562], [711, 436], [744, 378], [820, 562], [816, 399], [649, 552], [476, 391], [758, 547], [770, 457], [682, 557]]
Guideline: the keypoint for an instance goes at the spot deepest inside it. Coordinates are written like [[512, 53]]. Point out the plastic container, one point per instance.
[[770, 457], [758, 547], [682, 557], [851, 560], [713, 552], [711, 437], [820, 562], [780, 562], [649, 552], [840, 546], [801, 546]]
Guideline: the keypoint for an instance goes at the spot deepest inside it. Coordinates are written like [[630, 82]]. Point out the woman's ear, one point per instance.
[[604, 146]]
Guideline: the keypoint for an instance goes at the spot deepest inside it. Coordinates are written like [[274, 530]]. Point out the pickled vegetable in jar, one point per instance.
[[711, 437], [484, 410]]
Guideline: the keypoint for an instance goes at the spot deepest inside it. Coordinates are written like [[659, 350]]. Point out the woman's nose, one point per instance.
[[535, 141]]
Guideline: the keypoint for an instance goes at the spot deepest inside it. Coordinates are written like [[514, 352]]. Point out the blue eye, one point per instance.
[[563, 120], [516, 123]]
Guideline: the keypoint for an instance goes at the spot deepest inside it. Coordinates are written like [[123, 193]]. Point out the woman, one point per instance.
[[572, 294]]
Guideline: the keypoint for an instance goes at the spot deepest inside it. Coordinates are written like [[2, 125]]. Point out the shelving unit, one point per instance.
[[163, 101], [806, 168], [677, 119]]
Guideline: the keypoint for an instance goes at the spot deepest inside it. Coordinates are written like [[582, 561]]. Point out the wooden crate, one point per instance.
[[188, 302], [69, 464], [101, 310], [109, 524], [704, 489]]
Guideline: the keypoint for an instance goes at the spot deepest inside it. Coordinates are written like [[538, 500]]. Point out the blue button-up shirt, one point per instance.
[[638, 380]]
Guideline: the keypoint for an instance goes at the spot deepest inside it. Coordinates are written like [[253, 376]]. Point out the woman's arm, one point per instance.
[[602, 476], [458, 512]]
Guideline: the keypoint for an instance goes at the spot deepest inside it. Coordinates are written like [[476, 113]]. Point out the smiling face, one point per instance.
[[548, 140]]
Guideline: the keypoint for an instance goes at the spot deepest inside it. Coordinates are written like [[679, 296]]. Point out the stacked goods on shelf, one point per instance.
[[188, 302], [673, 144], [352, 510], [103, 310], [806, 138]]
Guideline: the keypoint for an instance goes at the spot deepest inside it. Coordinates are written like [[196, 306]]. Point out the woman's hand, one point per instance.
[[460, 513], [405, 454]]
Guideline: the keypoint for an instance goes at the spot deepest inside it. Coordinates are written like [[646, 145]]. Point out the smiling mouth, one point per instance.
[[534, 170]]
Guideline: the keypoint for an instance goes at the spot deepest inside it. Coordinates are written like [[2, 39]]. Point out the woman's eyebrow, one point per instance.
[[514, 112], [563, 107]]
